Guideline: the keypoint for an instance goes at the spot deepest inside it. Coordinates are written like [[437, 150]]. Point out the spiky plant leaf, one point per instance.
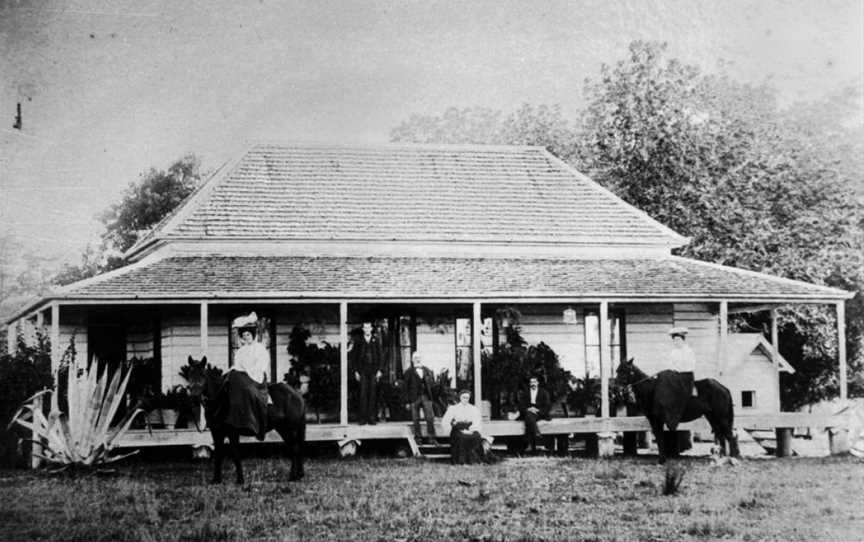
[[84, 436]]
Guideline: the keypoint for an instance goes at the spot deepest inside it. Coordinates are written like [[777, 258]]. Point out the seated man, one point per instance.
[[534, 405]]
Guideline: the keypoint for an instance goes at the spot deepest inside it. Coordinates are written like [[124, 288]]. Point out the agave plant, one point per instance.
[[83, 436]]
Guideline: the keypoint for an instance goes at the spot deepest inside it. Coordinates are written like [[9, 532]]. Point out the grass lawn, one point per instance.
[[405, 499]]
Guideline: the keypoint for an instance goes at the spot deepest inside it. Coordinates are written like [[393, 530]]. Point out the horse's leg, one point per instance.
[[234, 443], [218, 453], [293, 437], [297, 448], [659, 437], [733, 442], [718, 431]]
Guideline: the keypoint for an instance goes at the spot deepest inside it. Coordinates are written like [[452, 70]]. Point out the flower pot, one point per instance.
[[154, 418], [169, 417]]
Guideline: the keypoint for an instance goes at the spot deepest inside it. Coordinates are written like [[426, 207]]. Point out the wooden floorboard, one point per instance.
[[397, 430]]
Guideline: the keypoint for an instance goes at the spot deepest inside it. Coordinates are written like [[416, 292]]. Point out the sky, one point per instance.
[[110, 89]]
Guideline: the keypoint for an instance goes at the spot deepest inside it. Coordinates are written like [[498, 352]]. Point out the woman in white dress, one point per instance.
[[466, 440], [247, 381]]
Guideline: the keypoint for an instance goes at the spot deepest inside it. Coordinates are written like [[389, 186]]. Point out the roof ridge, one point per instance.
[[390, 145]]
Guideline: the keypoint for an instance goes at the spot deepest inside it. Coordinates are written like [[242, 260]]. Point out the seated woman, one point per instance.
[[466, 441], [247, 381]]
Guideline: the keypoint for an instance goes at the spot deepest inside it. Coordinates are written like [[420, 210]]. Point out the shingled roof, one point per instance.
[[408, 192], [381, 278]]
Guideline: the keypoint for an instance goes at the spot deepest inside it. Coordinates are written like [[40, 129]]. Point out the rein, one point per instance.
[[647, 378]]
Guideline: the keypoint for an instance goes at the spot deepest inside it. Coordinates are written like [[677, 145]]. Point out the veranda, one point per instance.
[[589, 337]]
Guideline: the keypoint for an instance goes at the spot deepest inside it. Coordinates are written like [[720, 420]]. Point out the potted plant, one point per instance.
[[172, 403]]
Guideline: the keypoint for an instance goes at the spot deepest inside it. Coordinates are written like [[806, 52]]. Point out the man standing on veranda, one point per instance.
[[367, 363], [419, 381]]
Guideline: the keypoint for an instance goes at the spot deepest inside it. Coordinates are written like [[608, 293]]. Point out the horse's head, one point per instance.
[[201, 378], [626, 375]]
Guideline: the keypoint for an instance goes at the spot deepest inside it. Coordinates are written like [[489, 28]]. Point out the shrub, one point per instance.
[[320, 364], [21, 375], [505, 372]]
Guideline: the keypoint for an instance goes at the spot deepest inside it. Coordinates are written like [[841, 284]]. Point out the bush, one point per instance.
[[321, 365], [21, 375], [506, 371]]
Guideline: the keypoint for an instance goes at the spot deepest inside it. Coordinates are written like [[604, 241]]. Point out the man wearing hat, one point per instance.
[[681, 356]]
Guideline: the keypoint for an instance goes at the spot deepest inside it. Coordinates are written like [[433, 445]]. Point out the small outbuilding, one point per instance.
[[753, 374]]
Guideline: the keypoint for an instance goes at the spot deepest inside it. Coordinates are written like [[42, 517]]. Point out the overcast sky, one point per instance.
[[109, 89]]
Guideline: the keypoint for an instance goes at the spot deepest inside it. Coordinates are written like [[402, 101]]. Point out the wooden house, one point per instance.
[[430, 242]]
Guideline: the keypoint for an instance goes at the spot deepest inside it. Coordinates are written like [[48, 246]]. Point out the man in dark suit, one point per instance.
[[534, 405], [419, 381], [367, 359]]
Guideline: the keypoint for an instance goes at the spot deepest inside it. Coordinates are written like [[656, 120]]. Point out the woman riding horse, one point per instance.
[[666, 402]]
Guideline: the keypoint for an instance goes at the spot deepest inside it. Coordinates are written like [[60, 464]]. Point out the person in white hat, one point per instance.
[[681, 357], [252, 357]]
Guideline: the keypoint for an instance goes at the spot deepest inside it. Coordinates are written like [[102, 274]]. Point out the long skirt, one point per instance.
[[247, 404], [465, 447]]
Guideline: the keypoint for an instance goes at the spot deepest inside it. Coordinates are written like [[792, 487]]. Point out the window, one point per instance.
[[407, 340], [748, 399], [463, 352], [617, 344]]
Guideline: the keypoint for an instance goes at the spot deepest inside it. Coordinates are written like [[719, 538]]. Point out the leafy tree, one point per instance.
[[148, 201], [23, 275], [143, 205], [719, 161], [529, 125]]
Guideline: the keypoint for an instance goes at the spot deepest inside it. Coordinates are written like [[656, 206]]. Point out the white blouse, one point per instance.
[[254, 360], [461, 413], [682, 359]]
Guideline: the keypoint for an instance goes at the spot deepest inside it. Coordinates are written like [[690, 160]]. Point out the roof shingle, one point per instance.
[[328, 277], [398, 192]]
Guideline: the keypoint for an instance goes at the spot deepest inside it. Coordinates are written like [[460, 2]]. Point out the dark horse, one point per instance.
[[665, 402], [287, 416]]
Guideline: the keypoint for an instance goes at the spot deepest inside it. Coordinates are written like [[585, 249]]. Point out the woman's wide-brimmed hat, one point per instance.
[[682, 331], [249, 321]]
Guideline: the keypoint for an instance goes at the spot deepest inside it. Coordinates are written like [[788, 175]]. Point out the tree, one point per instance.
[[143, 205], [23, 275], [720, 162], [540, 125]]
